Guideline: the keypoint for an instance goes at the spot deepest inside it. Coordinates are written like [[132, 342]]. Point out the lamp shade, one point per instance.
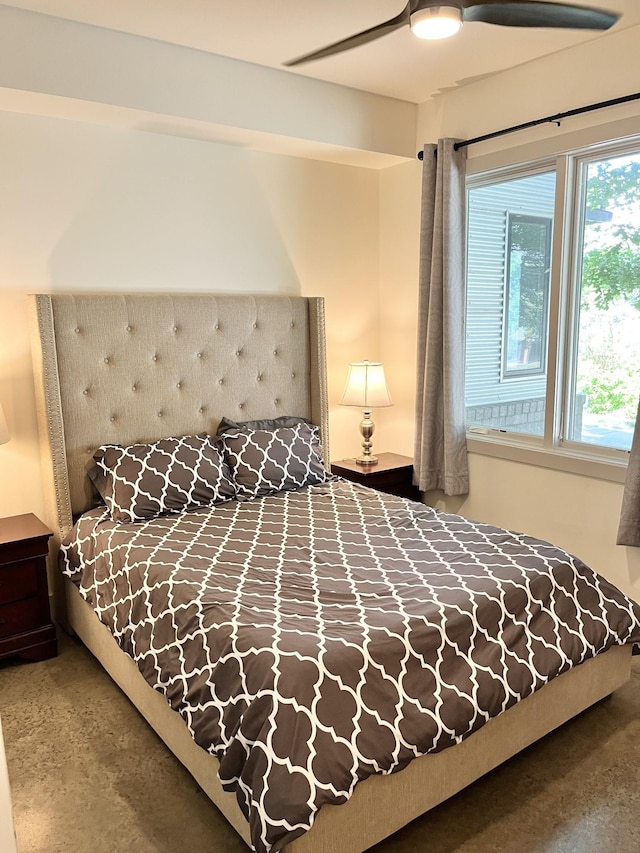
[[366, 386], [4, 429]]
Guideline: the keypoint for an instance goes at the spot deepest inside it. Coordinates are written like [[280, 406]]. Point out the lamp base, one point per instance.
[[367, 429], [367, 460]]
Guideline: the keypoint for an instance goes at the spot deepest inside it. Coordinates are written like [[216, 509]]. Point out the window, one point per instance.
[[508, 272], [553, 303], [527, 291], [604, 381]]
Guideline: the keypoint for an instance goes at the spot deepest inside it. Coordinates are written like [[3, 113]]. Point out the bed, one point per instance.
[[122, 370]]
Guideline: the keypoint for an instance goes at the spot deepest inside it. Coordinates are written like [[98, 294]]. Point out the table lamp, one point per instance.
[[367, 389]]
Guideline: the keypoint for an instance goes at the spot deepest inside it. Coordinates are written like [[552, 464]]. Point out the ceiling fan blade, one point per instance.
[[538, 13], [355, 41]]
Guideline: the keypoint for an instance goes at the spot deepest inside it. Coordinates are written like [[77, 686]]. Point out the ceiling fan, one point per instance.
[[433, 19]]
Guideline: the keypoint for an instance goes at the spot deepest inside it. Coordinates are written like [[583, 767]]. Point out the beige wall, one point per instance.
[[328, 217], [576, 512], [131, 164], [87, 207], [112, 180], [399, 229]]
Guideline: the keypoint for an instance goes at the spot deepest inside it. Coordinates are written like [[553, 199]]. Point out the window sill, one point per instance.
[[572, 462]]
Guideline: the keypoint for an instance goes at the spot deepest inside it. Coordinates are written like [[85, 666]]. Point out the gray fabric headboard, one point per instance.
[[130, 368]]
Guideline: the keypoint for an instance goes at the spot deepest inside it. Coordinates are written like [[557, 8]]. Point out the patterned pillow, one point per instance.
[[146, 480], [262, 423], [266, 461]]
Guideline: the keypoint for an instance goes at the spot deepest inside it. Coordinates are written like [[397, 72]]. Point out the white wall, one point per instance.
[[578, 513], [588, 73], [59, 67]]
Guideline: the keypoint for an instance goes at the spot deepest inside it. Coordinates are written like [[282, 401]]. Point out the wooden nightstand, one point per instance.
[[392, 474], [26, 629]]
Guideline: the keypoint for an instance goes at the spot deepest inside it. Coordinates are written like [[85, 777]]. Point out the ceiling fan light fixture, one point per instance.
[[436, 22]]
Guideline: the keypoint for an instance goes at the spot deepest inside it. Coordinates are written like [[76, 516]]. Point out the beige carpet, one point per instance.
[[89, 776]]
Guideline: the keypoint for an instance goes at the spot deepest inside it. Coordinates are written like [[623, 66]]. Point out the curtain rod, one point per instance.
[[556, 119]]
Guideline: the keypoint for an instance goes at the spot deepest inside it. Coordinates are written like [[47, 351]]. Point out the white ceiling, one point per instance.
[[268, 32]]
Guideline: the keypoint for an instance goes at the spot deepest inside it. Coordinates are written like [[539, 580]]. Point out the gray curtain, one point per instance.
[[629, 529], [440, 453]]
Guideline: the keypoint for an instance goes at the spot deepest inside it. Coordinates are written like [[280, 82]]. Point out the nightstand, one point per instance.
[[26, 629], [392, 474]]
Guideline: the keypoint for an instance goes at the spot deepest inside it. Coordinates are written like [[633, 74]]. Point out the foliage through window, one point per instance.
[[564, 255], [607, 306]]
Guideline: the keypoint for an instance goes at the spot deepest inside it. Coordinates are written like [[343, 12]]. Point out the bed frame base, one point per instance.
[[381, 804]]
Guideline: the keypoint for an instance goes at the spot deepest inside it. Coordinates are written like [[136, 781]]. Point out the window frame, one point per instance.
[[553, 450]]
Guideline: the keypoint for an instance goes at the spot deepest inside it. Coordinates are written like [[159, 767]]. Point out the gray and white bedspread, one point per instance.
[[312, 638]]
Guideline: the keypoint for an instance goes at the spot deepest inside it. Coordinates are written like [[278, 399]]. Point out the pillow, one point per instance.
[[146, 480], [266, 461], [263, 423]]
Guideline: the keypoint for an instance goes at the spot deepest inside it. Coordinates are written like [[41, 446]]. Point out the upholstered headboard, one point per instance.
[[129, 368]]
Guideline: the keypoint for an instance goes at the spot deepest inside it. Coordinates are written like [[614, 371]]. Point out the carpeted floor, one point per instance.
[[89, 776]]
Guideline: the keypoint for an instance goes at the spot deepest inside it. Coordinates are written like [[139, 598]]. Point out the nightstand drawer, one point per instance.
[[20, 616], [19, 580]]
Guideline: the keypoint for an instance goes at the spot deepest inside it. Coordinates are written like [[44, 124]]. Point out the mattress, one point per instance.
[[312, 638]]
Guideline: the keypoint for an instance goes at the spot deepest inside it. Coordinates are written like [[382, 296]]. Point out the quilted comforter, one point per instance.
[[312, 638]]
